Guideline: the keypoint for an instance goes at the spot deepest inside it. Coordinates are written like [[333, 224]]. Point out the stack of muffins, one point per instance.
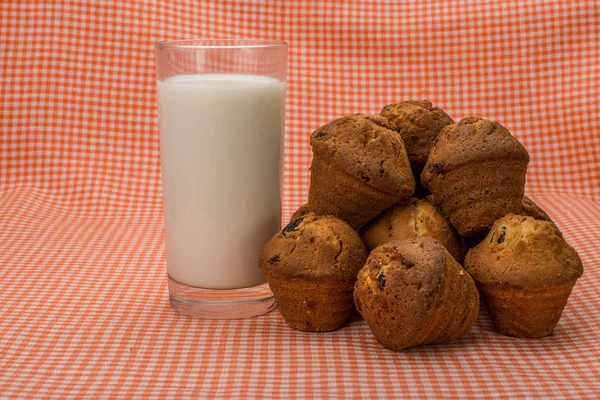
[[394, 204]]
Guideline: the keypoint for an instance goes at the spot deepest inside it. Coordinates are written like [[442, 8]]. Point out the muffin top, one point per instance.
[[418, 123], [531, 209], [525, 253], [413, 218], [315, 247], [409, 273], [365, 147], [472, 140]]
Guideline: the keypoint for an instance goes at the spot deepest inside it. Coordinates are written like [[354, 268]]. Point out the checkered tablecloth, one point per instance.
[[83, 293]]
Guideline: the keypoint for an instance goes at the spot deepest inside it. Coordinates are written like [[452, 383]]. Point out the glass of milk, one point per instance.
[[221, 108]]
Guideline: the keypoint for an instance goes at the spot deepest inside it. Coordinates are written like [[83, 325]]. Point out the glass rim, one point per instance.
[[228, 44]]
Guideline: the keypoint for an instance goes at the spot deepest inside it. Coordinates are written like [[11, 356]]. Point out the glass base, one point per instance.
[[221, 304]]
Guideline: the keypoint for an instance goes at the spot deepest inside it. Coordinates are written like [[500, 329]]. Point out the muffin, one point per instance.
[[311, 266], [476, 174], [529, 208], [525, 271], [419, 123], [413, 292], [410, 219], [359, 169]]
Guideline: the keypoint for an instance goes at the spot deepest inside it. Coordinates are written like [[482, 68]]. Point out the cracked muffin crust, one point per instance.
[[525, 271], [413, 292], [410, 219], [359, 168], [476, 173], [311, 266]]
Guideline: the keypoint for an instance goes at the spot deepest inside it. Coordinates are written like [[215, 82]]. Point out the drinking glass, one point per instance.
[[221, 107]]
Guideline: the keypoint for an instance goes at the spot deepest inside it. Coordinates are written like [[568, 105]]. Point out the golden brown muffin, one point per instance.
[[413, 292], [419, 123], [524, 270], [311, 266], [529, 208], [410, 219], [359, 169], [476, 174]]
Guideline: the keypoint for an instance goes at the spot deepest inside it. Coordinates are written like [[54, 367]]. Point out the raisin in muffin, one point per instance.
[[410, 219], [359, 169], [476, 174], [419, 123], [413, 292], [311, 266], [525, 271]]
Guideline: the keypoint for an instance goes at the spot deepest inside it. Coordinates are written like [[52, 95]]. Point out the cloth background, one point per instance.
[[83, 294]]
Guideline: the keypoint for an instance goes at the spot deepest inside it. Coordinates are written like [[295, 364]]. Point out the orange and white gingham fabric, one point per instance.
[[83, 293]]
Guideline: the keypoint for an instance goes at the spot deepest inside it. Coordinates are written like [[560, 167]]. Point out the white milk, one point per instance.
[[221, 151]]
